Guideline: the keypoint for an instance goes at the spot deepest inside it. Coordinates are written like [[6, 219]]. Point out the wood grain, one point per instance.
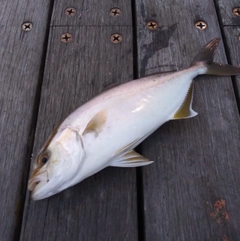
[[232, 34], [225, 10], [196, 160], [92, 12], [20, 70], [103, 207], [175, 24]]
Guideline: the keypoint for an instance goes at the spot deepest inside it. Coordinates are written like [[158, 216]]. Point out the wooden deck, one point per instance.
[[191, 192]]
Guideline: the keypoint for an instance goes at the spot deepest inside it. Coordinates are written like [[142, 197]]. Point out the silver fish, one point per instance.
[[105, 130]]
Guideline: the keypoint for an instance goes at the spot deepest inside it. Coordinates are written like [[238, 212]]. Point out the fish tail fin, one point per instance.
[[205, 58]]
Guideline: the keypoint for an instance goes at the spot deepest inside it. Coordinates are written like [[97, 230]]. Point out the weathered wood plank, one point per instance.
[[231, 30], [20, 70], [92, 12], [103, 207], [191, 191], [226, 12], [232, 34]]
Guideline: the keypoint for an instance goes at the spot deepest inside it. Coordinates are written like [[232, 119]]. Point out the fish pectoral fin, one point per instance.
[[185, 111], [96, 123], [130, 159]]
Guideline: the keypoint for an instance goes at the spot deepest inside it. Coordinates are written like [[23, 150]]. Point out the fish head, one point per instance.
[[56, 165]]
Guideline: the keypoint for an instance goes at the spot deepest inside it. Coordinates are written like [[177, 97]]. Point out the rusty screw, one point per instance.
[[152, 25], [27, 26], [236, 12], [201, 25], [116, 38], [66, 37], [70, 11], [115, 12]]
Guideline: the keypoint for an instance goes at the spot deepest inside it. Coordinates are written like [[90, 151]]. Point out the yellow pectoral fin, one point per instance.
[[96, 123], [185, 111]]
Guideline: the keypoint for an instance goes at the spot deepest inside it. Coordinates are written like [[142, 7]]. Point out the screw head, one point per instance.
[[236, 12], [115, 12], [116, 38], [201, 25], [27, 26], [70, 12], [66, 37], [152, 25]]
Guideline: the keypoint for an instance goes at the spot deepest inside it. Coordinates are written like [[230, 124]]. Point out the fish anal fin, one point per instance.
[[130, 159], [185, 111], [96, 123]]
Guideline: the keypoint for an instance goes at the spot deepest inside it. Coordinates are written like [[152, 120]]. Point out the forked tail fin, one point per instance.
[[205, 58]]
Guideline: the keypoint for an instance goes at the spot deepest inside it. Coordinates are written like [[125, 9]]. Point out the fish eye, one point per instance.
[[43, 158]]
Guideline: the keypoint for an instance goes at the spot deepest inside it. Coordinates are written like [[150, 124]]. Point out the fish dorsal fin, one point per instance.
[[130, 159], [185, 111], [96, 123]]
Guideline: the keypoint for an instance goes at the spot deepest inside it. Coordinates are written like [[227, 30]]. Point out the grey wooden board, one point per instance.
[[191, 191], [103, 207], [226, 12], [92, 12], [175, 22], [232, 34], [20, 65]]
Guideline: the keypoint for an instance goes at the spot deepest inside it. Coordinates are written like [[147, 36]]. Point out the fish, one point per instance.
[[105, 130]]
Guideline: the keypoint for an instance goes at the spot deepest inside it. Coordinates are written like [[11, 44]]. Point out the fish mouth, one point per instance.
[[35, 180]]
